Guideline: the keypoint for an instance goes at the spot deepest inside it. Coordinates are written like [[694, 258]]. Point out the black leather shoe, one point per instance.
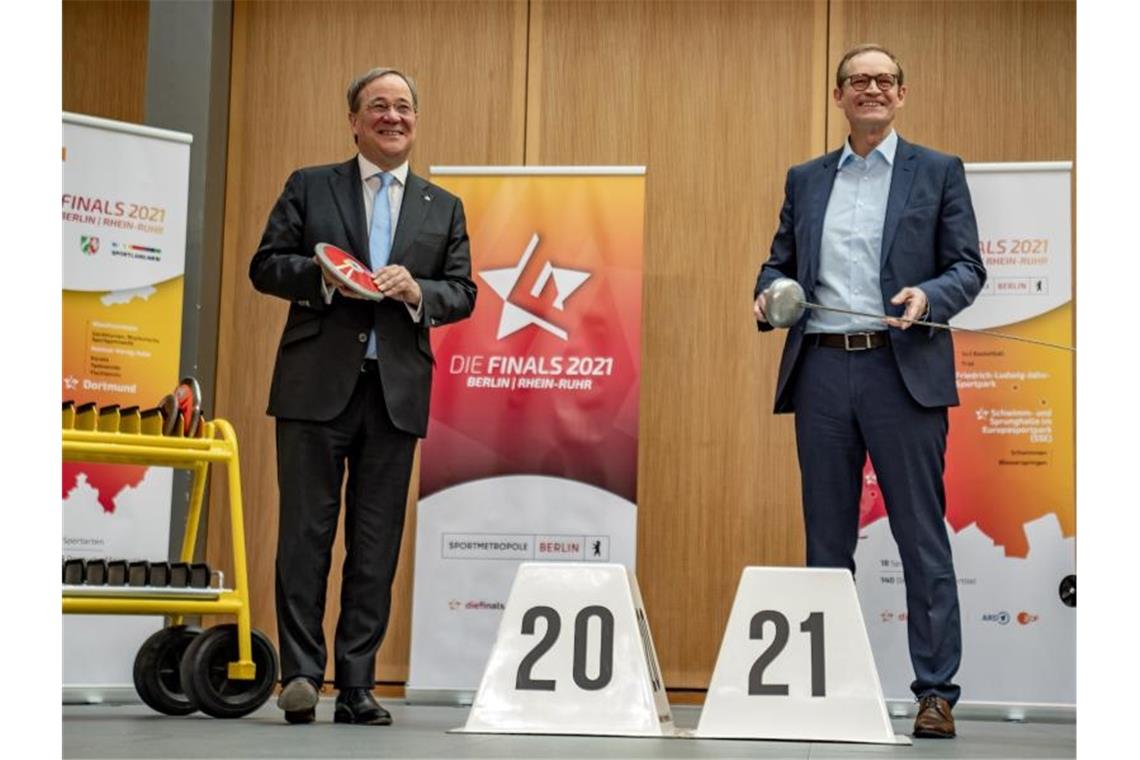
[[358, 706], [299, 700]]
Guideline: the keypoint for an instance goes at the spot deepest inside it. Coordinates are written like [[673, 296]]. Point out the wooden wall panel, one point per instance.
[[104, 58], [717, 99], [291, 65], [988, 81]]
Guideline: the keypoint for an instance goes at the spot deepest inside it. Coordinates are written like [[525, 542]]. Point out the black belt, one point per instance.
[[370, 367], [860, 341]]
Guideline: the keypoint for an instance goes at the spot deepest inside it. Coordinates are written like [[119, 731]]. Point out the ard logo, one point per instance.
[[89, 245]]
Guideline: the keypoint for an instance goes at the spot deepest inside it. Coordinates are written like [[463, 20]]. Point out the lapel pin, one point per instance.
[[427, 198]]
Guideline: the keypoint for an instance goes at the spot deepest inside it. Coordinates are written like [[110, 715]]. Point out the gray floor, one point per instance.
[[134, 731]]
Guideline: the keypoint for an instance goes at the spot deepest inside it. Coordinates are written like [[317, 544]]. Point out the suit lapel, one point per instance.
[[818, 192], [413, 209], [902, 178], [349, 198]]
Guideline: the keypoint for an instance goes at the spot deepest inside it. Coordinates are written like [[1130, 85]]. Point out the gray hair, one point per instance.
[[365, 79]]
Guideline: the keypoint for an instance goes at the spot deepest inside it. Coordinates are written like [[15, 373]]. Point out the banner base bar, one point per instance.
[[101, 694], [674, 733], [445, 697]]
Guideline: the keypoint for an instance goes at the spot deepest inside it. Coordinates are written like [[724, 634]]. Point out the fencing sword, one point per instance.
[[785, 303]]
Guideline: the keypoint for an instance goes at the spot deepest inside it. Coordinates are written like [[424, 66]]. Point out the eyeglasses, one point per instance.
[[379, 106], [860, 82]]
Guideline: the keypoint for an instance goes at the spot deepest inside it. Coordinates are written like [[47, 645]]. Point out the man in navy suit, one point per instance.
[[352, 382], [880, 226]]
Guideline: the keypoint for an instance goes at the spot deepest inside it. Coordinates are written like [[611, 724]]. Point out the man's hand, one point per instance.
[[335, 284], [760, 308], [394, 281], [916, 305]]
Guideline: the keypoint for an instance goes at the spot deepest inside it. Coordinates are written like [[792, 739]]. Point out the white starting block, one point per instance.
[[795, 663], [573, 656]]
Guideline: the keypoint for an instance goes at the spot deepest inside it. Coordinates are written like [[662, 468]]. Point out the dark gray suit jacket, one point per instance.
[[930, 240], [322, 346]]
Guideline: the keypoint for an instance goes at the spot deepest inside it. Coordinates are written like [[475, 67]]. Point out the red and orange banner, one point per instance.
[[532, 448]]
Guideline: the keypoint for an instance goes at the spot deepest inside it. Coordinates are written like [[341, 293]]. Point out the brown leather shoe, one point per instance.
[[934, 720]]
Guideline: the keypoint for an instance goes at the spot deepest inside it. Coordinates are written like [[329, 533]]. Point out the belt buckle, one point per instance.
[[848, 346]]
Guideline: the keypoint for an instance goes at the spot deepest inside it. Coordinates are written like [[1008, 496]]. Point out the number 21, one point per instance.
[[812, 625]]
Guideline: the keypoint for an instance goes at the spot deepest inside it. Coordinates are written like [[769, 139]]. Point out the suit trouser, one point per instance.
[[311, 460], [849, 403]]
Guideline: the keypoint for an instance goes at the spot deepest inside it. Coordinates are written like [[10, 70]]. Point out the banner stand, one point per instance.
[[531, 451], [123, 219]]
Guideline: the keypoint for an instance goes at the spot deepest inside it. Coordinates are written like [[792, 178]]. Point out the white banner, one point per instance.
[[1009, 472], [466, 563], [124, 251]]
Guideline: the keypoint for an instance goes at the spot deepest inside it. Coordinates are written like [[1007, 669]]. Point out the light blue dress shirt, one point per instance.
[[850, 251]]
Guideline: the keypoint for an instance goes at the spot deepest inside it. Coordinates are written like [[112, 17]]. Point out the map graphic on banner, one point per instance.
[[124, 248], [532, 449], [1011, 500]]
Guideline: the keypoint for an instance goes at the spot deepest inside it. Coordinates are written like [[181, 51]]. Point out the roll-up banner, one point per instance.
[[124, 248], [1010, 468], [532, 449]]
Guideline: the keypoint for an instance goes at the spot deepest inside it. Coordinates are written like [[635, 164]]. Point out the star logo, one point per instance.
[[514, 317], [70, 382]]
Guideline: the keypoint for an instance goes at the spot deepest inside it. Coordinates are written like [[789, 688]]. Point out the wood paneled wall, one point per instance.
[[717, 99], [104, 60], [989, 81]]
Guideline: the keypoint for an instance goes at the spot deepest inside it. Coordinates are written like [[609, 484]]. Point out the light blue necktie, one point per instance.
[[379, 241]]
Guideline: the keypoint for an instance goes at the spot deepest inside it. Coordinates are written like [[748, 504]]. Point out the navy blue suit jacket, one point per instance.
[[930, 241]]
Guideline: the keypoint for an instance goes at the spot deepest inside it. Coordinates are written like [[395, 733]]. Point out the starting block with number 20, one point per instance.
[[574, 655]]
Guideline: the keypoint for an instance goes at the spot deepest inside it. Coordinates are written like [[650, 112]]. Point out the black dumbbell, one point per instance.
[[117, 572], [137, 573], [95, 574], [72, 572], [159, 574]]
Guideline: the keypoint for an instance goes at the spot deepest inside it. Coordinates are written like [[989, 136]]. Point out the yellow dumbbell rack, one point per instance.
[[218, 444]]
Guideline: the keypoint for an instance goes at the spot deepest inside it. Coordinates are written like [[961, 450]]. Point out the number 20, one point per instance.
[[524, 681], [812, 625]]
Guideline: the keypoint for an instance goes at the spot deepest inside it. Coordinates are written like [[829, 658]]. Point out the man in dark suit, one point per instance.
[[880, 226], [352, 383]]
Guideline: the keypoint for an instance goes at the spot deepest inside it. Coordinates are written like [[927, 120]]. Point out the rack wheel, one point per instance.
[[157, 675], [207, 682]]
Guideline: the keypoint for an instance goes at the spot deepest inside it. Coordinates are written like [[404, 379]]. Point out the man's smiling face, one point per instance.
[[384, 121], [874, 107]]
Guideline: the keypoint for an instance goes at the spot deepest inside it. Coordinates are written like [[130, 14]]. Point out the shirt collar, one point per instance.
[[369, 169], [886, 149]]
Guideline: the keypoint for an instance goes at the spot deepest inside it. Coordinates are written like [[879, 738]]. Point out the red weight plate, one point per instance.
[[188, 394], [347, 270]]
